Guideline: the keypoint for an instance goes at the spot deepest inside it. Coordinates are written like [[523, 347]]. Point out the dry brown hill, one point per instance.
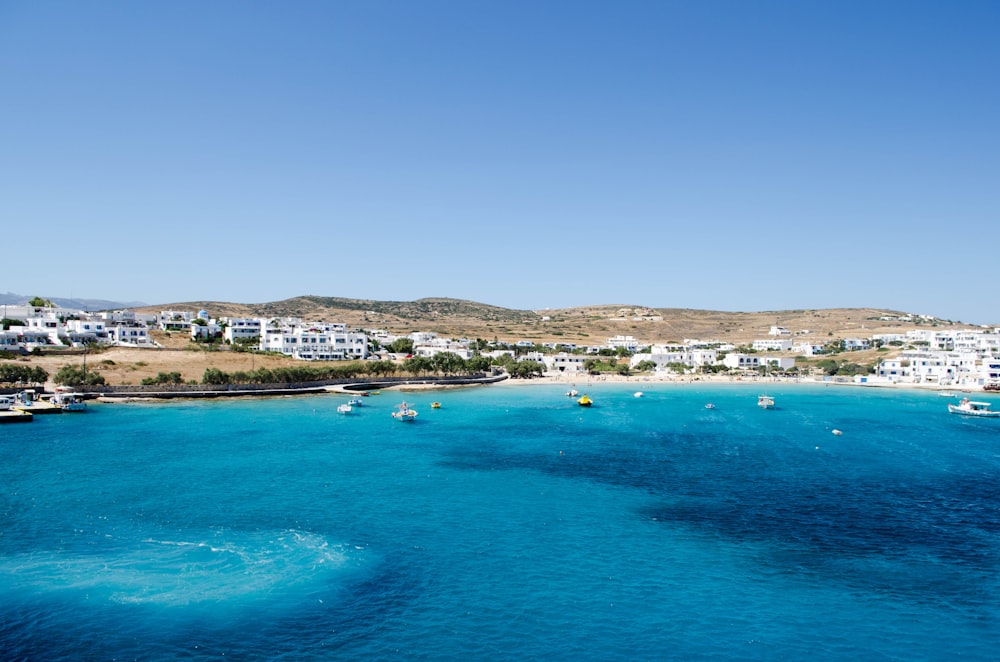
[[581, 325]]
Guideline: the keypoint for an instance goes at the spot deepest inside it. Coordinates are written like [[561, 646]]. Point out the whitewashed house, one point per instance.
[[772, 345], [628, 342], [568, 363], [740, 361], [85, 331], [242, 329], [314, 342], [135, 334], [48, 324]]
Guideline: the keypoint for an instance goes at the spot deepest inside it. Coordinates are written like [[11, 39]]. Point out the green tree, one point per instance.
[[645, 366], [69, 375], [164, 378], [401, 346], [39, 302], [214, 376], [448, 363]]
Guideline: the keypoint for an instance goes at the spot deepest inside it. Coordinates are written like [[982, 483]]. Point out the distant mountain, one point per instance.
[[11, 299]]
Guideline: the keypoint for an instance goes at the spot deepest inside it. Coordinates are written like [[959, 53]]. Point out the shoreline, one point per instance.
[[577, 381]]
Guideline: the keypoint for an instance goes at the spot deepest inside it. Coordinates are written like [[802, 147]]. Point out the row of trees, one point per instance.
[[21, 375], [445, 363]]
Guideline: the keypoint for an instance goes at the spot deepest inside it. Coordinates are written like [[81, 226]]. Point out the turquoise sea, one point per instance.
[[508, 524]]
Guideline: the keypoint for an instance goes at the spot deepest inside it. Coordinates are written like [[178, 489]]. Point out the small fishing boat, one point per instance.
[[403, 413], [968, 407], [344, 409], [585, 401], [572, 393], [354, 402], [68, 401], [709, 405], [837, 432], [637, 394], [765, 401], [435, 405]]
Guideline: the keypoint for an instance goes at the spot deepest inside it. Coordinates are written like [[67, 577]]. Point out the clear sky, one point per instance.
[[729, 155]]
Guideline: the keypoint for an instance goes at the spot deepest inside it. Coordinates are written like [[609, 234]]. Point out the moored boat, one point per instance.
[[403, 413], [435, 405], [344, 409], [968, 407], [765, 401], [68, 400], [585, 401]]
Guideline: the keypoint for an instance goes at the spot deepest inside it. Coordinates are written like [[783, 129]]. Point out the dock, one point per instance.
[[15, 416], [38, 407]]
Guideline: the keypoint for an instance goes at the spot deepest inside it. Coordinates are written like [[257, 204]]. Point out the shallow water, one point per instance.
[[509, 524]]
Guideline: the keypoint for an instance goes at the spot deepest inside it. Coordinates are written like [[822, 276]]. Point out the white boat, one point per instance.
[[344, 409], [765, 401], [68, 401], [968, 407], [403, 413], [709, 406], [637, 394], [354, 402], [572, 393]]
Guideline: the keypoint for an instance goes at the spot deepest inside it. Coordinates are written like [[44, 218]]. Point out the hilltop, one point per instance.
[[586, 325]]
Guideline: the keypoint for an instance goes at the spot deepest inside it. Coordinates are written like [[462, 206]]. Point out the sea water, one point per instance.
[[511, 523]]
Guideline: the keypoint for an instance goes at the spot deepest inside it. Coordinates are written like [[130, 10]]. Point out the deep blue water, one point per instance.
[[509, 524]]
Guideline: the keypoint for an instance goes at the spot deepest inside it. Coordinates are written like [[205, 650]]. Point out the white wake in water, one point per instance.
[[226, 567]]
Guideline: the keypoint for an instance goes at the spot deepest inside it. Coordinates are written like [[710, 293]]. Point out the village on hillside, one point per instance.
[[967, 357]]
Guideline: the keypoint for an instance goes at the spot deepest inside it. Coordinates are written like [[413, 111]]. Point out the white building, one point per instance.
[[740, 361], [135, 334], [779, 331], [441, 345], [628, 342], [563, 362], [242, 328], [807, 349], [314, 342], [175, 320], [46, 323], [85, 331], [772, 345]]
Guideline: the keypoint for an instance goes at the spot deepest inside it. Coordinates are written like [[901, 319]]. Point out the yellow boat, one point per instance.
[[435, 405], [585, 401]]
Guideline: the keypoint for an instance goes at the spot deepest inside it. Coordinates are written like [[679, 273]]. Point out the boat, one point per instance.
[[403, 413], [637, 394], [585, 401], [968, 407], [709, 405], [354, 402], [572, 393], [344, 409], [765, 401], [435, 405], [837, 432], [68, 401]]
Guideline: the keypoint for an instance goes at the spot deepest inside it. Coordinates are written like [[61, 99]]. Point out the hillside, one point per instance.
[[581, 325]]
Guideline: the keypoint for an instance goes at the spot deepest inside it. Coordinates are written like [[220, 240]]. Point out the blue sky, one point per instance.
[[711, 154]]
